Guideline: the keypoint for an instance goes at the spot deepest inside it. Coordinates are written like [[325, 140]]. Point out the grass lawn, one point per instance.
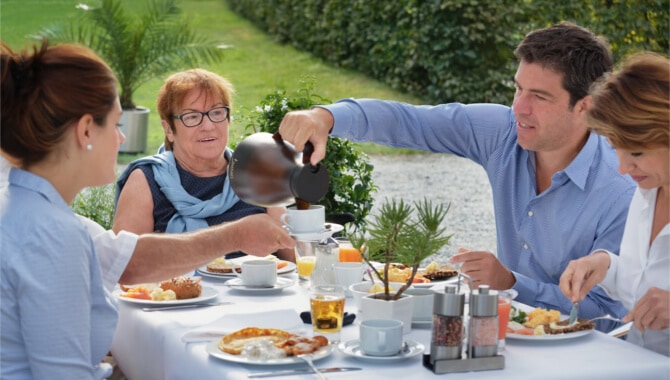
[[254, 63]]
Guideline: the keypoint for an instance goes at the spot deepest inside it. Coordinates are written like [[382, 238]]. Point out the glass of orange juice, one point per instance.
[[348, 253], [504, 309]]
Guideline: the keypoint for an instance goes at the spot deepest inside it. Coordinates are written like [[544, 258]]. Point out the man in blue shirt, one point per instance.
[[557, 193]]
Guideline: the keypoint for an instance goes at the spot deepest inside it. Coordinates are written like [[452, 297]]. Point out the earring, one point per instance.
[[89, 147]]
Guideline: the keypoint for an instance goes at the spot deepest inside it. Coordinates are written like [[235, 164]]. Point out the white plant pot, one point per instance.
[[400, 309]]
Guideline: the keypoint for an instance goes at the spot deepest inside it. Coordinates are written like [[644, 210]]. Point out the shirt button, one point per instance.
[[525, 246], [530, 213]]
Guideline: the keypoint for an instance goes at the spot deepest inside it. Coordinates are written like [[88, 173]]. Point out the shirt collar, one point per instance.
[[28, 180], [648, 197], [578, 170]]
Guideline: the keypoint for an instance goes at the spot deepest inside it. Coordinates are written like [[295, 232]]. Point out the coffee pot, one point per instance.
[[267, 171]]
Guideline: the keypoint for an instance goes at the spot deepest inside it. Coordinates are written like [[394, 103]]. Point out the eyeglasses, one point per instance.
[[194, 118]]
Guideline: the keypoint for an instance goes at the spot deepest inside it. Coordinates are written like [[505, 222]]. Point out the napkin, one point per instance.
[[283, 319]]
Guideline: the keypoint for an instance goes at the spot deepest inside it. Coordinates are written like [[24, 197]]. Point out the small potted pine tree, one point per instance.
[[399, 234]]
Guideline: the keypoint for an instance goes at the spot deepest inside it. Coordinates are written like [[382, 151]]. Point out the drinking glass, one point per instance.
[[504, 308], [305, 259], [327, 308], [347, 252]]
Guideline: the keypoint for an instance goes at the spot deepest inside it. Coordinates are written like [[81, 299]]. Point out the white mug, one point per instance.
[[304, 221], [381, 337], [257, 272], [347, 274], [423, 303]]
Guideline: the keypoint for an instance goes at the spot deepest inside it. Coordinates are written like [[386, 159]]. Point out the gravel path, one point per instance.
[[446, 179]]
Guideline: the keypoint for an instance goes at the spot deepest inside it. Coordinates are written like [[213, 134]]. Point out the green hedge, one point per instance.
[[446, 50]]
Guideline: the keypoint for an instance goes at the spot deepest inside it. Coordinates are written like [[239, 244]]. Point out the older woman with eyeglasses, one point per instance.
[[186, 187]]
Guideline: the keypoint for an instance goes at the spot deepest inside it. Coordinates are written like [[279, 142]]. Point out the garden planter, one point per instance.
[[376, 308], [134, 124]]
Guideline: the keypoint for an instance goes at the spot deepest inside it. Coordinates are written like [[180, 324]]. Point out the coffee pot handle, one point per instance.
[[306, 152]]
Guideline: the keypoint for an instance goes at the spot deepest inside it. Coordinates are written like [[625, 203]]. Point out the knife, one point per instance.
[[188, 306], [299, 371], [573, 314]]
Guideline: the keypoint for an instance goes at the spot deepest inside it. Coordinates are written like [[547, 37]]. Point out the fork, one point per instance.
[[308, 359], [607, 316]]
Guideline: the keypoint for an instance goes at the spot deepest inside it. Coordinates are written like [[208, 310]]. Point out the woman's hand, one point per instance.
[[652, 311], [583, 274]]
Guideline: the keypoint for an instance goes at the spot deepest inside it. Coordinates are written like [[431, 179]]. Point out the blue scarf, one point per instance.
[[191, 211]]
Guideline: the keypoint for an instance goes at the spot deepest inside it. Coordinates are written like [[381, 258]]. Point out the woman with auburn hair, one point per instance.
[[631, 107], [186, 187], [60, 111]]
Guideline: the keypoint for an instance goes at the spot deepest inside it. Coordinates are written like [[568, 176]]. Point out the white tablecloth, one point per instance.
[[148, 345]]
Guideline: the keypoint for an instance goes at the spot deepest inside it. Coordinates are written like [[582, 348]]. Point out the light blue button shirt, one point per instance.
[[537, 234], [57, 321]]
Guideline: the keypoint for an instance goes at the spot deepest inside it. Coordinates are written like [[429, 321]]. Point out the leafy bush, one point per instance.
[[447, 50], [97, 204], [351, 187]]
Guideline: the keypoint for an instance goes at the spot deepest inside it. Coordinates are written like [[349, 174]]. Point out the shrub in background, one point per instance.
[[447, 50]]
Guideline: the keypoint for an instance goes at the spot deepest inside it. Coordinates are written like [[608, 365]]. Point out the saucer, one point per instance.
[[422, 323], [236, 284], [328, 230], [353, 348]]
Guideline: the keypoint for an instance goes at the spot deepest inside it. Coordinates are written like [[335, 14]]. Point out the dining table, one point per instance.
[[181, 344]]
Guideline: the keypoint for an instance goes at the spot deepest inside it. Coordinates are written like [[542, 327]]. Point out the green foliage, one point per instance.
[[447, 50], [97, 204], [426, 48], [629, 25], [351, 188], [403, 234], [137, 46]]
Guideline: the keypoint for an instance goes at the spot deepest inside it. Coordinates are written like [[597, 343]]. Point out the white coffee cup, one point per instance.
[[423, 303], [257, 272], [347, 274], [381, 337], [304, 221]]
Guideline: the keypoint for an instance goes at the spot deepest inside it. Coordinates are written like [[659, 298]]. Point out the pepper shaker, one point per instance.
[[483, 333], [447, 334]]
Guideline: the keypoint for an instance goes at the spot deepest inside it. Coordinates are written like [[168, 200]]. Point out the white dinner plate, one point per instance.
[[212, 349], [236, 284], [549, 337], [207, 294], [353, 348], [446, 281], [204, 272]]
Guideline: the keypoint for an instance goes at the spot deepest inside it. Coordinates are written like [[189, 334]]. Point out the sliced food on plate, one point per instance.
[[540, 321], [431, 273], [268, 343], [177, 288], [437, 272]]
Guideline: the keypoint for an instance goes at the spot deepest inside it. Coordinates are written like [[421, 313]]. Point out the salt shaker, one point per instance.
[[483, 333], [327, 254], [447, 334]]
